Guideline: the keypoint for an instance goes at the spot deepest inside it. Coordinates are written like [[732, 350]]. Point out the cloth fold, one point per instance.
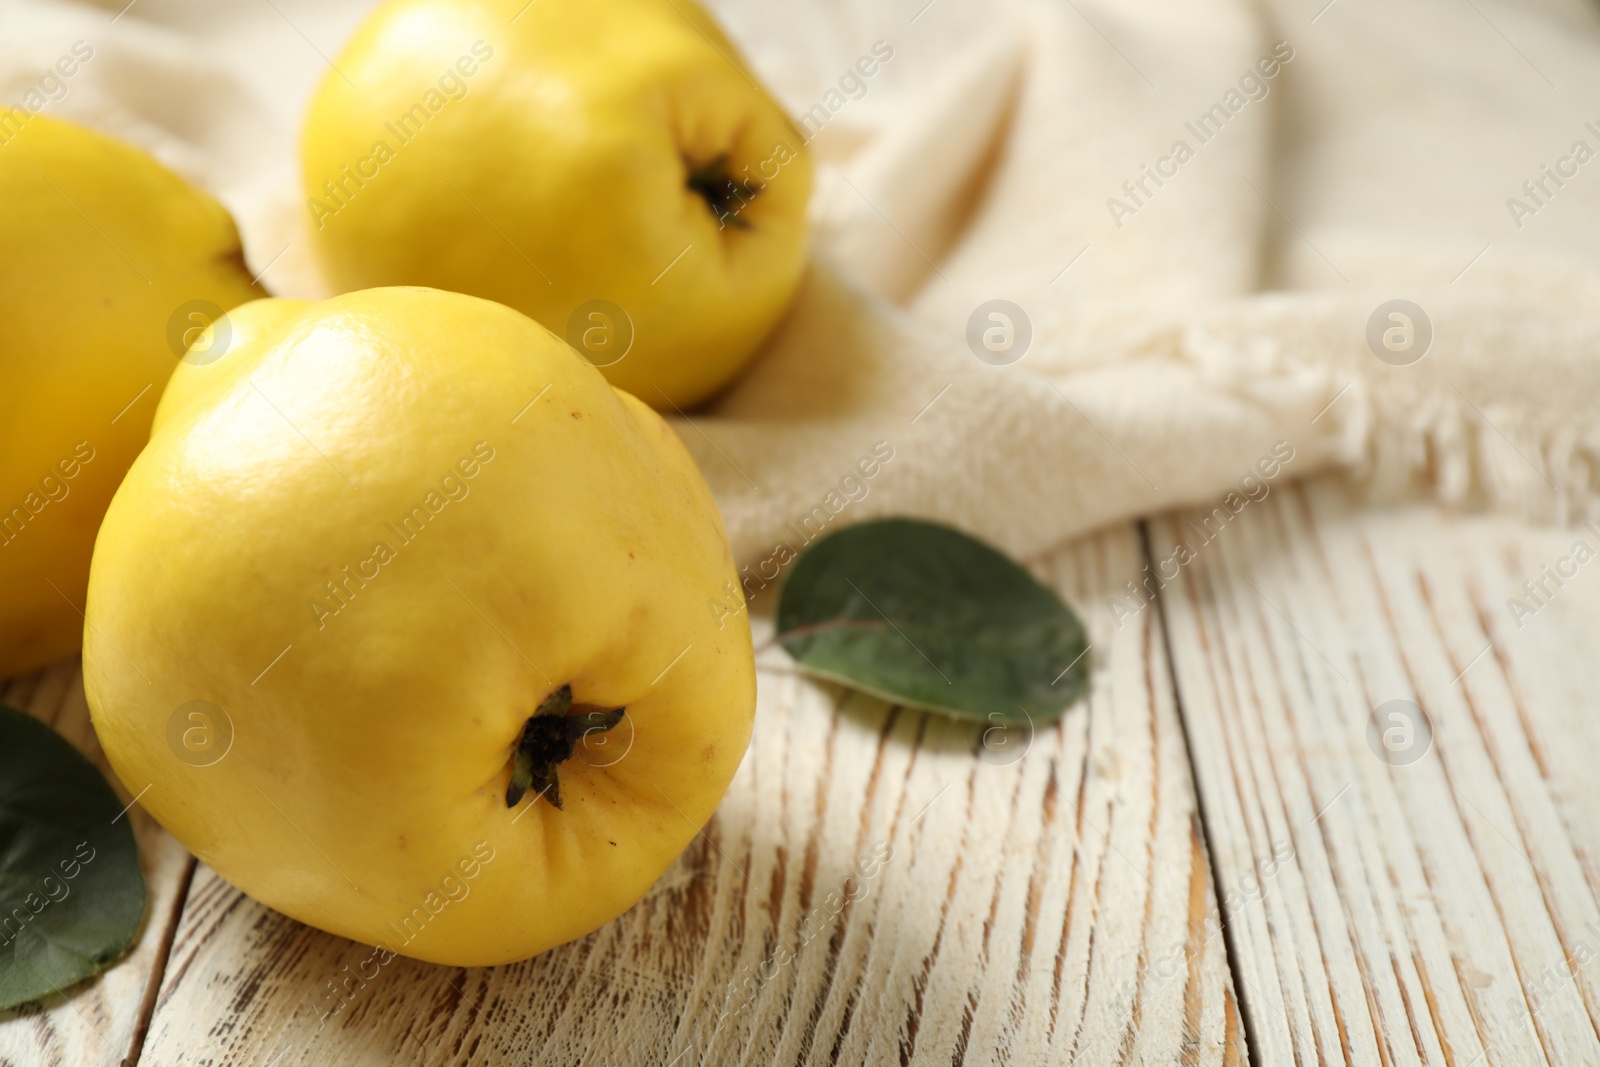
[[1201, 215]]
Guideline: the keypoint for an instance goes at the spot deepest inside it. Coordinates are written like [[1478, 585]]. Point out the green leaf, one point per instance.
[[923, 615], [71, 892]]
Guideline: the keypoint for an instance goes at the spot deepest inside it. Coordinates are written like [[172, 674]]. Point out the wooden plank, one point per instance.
[[1038, 899], [1441, 904], [100, 1021]]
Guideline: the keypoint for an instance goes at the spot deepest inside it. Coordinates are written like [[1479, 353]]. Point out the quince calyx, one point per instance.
[[548, 740]]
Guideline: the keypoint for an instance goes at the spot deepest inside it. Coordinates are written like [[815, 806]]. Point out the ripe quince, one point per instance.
[[109, 265], [611, 168], [412, 627]]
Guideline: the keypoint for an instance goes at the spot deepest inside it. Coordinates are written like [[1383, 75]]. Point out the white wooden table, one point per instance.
[[1212, 860]]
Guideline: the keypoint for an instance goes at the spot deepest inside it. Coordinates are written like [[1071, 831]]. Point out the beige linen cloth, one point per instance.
[[1182, 324]]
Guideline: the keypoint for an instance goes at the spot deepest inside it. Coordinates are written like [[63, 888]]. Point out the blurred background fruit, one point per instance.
[[612, 169], [110, 266]]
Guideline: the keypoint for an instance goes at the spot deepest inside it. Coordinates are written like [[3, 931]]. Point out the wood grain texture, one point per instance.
[[1440, 906], [100, 1021], [1038, 897]]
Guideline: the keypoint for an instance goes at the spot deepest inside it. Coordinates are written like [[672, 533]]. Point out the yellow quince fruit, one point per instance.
[[109, 265], [412, 627], [609, 167]]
